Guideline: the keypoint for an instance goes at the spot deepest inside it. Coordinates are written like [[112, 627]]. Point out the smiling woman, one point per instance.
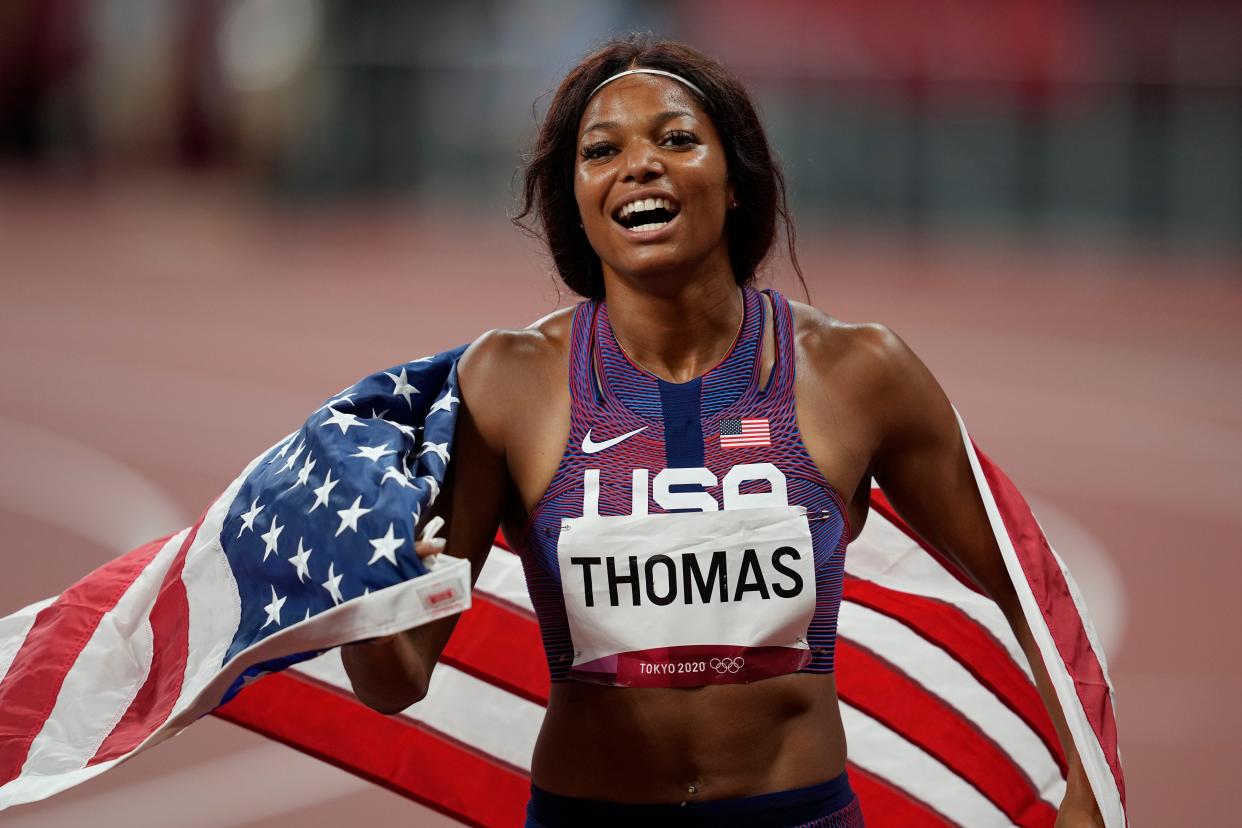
[[680, 462]]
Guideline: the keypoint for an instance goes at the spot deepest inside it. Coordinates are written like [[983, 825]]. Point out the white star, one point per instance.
[[379, 415], [253, 677], [340, 418], [438, 449], [408, 431], [293, 459], [333, 585], [270, 537], [349, 517], [299, 560], [323, 492], [445, 403], [284, 448], [373, 452], [304, 472], [432, 484], [273, 609], [401, 385], [386, 547], [343, 398], [248, 517], [307, 618], [391, 473]]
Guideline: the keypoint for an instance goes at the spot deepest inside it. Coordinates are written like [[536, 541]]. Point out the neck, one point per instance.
[[680, 332]]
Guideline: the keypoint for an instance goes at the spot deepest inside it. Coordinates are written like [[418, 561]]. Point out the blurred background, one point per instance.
[[215, 212]]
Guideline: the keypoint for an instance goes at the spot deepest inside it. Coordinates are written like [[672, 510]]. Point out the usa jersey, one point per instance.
[[642, 446]]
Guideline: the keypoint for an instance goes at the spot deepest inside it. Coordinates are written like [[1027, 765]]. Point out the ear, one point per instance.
[[730, 197]]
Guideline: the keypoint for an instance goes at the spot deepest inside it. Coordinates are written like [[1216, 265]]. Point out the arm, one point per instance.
[[390, 673], [921, 464]]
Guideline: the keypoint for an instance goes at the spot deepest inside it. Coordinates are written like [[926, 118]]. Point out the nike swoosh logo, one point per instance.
[[591, 447]]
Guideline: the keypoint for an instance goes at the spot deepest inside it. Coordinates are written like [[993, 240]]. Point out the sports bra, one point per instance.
[[642, 446]]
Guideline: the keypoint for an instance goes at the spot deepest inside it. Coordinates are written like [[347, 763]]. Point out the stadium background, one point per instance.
[[213, 214]]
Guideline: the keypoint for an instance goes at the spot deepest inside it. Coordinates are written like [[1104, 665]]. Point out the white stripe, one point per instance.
[[885, 555], [942, 676], [904, 765], [502, 577], [13, 631], [455, 705], [1090, 751], [99, 687]]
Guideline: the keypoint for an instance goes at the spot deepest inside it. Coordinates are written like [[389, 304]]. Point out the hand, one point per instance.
[[1078, 808], [427, 551]]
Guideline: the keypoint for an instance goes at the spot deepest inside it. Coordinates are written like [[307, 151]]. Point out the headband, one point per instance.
[[643, 71]]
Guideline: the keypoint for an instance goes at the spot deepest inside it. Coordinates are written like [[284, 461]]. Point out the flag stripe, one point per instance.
[[494, 643], [936, 672], [970, 644], [61, 630], [883, 752], [886, 694], [413, 762], [879, 502], [885, 805], [170, 650], [1041, 581], [884, 555]]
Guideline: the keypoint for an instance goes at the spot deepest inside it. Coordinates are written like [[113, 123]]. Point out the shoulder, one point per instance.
[[506, 369], [870, 355]]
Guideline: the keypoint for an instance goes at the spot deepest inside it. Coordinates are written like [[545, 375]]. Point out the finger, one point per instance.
[[432, 546]]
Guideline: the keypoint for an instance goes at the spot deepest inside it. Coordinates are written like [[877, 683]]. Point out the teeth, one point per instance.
[[654, 226], [645, 204]]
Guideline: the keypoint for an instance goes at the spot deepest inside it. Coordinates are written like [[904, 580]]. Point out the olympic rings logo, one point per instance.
[[727, 665]]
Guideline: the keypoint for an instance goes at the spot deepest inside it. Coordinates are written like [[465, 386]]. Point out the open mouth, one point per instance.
[[646, 214]]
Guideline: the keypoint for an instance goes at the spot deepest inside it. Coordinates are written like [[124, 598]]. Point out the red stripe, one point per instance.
[[1052, 595], [60, 632], [390, 751], [170, 648], [970, 645], [886, 694], [886, 806], [880, 503], [496, 644]]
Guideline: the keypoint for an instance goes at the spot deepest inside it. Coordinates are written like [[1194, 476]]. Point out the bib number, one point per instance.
[[687, 599]]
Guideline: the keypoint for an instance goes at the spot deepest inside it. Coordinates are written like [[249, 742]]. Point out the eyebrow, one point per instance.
[[658, 120]]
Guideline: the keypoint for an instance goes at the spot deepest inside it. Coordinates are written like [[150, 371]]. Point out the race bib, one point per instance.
[[687, 599]]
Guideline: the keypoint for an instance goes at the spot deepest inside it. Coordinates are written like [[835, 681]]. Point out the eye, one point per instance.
[[596, 150], [680, 138]]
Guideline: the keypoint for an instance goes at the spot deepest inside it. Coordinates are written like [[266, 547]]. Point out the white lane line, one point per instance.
[[60, 481]]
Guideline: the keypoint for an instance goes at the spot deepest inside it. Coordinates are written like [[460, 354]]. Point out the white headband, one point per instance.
[[641, 71]]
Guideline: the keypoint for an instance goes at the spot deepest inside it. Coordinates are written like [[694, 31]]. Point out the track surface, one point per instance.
[[153, 339]]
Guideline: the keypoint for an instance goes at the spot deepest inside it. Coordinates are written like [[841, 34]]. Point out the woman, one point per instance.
[[673, 403]]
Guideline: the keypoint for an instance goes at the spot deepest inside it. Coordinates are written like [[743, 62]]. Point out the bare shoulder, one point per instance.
[[504, 369], [869, 354]]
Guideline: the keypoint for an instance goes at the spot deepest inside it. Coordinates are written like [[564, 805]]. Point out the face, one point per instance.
[[651, 180]]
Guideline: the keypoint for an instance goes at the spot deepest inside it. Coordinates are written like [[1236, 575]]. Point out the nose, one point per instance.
[[642, 164]]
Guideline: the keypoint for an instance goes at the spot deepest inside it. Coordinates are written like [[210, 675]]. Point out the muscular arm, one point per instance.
[[921, 464], [391, 673]]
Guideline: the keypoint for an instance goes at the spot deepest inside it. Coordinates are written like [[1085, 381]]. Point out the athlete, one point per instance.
[[680, 461]]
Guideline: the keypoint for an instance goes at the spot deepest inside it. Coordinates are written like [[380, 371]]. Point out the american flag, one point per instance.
[[311, 547], [744, 432], [944, 724]]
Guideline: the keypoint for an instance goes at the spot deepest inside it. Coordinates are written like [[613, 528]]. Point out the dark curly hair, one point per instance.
[[548, 184]]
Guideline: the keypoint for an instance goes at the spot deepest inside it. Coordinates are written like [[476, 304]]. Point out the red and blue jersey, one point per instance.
[[639, 444]]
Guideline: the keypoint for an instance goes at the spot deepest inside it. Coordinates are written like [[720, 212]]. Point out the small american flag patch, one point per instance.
[[740, 433]]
